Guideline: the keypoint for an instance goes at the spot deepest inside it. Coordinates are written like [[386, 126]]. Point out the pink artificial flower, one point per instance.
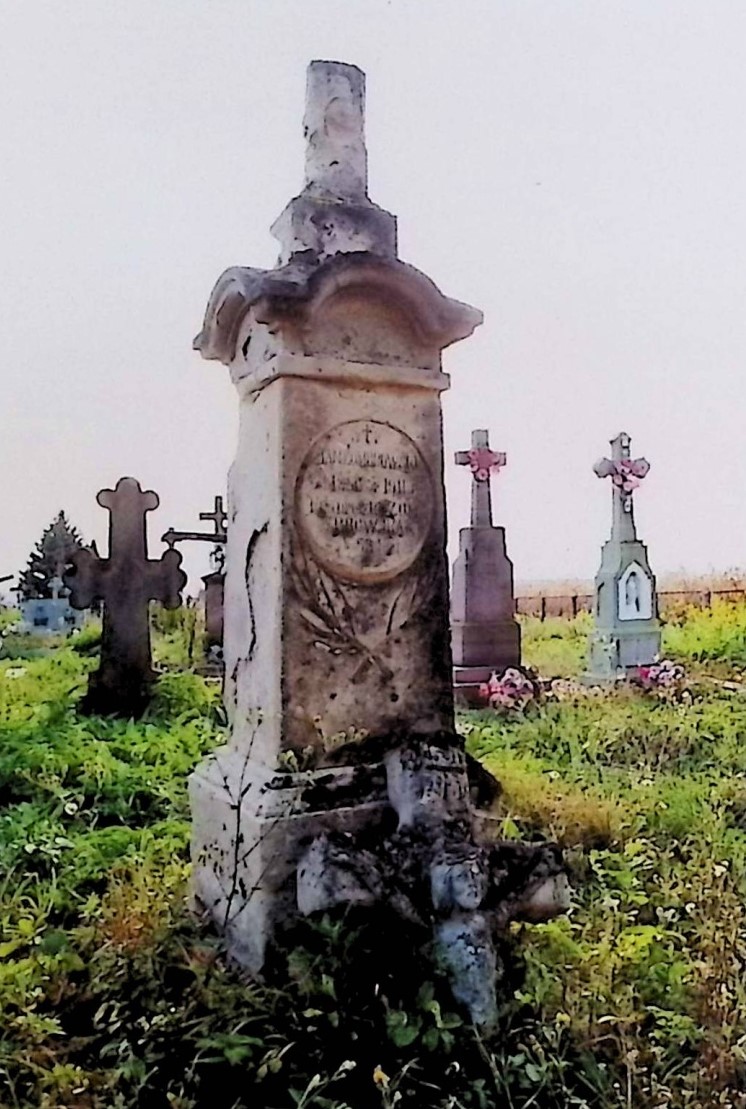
[[483, 462]]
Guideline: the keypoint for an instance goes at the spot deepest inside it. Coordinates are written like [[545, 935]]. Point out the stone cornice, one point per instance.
[[304, 285]]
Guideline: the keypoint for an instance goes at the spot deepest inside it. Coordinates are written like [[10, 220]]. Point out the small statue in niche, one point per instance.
[[632, 592]]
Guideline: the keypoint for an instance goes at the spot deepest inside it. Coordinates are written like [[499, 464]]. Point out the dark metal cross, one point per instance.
[[214, 582], [219, 519], [626, 474], [126, 582], [483, 463]]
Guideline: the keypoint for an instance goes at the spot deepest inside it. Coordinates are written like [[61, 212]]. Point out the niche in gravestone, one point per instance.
[[626, 632], [336, 590], [126, 582]]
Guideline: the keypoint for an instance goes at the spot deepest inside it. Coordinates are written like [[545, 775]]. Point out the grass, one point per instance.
[[649, 801], [557, 647], [113, 997]]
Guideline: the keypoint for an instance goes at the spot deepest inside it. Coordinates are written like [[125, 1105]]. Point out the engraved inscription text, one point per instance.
[[364, 501]]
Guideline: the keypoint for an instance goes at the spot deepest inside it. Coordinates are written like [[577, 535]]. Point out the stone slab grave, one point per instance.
[[626, 629], [214, 582], [126, 582], [485, 634], [344, 781]]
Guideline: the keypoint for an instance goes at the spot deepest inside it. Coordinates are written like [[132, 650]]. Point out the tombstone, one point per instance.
[[214, 592], [50, 615], [336, 588], [213, 582], [626, 633], [485, 635], [126, 582]]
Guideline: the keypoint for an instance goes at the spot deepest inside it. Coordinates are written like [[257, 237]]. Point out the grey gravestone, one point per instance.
[[627, 631], [484, 632], [338, 679], [126, 582]]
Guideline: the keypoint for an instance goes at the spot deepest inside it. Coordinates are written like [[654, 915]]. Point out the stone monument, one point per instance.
[[336, 590], [126, 582], [626, 633], [485, 635]]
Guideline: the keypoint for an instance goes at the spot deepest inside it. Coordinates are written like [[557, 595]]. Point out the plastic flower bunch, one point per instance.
[[666, 678], [629, 473], [513, 690]]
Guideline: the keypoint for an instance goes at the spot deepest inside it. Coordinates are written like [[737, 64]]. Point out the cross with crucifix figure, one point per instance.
[[626, 474], [126, 582], [483, 463]]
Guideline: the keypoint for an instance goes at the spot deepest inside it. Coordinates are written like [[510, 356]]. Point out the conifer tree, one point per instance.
[[49, 559]]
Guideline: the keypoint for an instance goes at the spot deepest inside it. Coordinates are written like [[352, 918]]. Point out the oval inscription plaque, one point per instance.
[[364, 501]]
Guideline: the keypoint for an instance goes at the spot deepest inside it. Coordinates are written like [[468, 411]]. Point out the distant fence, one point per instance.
[[545, 605]]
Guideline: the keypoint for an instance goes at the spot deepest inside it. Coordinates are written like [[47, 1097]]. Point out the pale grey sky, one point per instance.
[[574, 168]]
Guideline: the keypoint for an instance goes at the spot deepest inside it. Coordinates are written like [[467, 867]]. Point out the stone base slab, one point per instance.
[[615, 652], [249, 829]]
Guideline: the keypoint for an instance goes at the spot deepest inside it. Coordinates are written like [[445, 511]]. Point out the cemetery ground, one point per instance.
[[112, 995]]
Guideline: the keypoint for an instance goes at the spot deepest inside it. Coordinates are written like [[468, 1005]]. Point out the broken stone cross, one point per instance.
[[485, 636], [126, 582]]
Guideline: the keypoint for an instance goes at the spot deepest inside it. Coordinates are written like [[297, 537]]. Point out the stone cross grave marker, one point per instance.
[[627, 632], [483, 463], [485, 635], [626, 474], [126, 582]]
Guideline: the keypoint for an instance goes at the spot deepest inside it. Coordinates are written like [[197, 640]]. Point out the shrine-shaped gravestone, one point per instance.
[[126, 582], [485, 635], [626, 632]]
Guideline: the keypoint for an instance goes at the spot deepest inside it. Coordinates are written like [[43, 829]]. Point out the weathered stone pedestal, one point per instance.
[[337, 653], [627, 632], [485, 635]]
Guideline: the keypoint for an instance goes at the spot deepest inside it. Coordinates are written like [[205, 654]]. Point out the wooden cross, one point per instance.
[[626, 474], [483, 462], [126, 582]]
